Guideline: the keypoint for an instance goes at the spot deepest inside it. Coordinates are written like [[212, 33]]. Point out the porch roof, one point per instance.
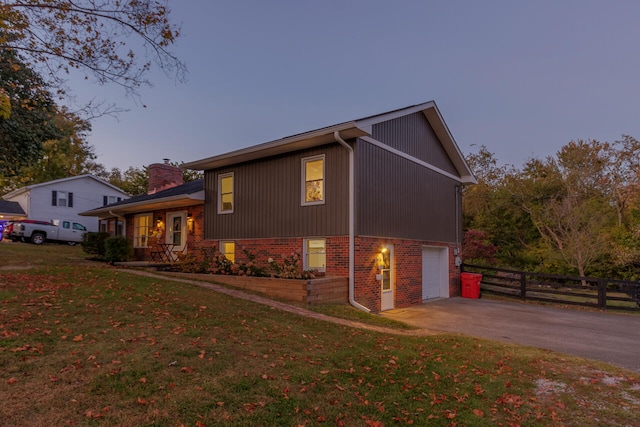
[[188, 194]]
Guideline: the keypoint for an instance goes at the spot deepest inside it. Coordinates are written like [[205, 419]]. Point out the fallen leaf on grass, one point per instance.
[[12, 380]]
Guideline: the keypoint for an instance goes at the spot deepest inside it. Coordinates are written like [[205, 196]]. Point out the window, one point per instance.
[[80, 227], [225, 193], [108, 200], [66, 224], [228, 249], [313, 180], [142, 228], [315, 254], [62, 198]]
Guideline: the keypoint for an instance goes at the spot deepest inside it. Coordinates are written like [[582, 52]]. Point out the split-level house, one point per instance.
[[376, 199]]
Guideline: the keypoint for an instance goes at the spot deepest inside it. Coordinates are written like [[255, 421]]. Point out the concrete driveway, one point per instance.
[[611, 338]]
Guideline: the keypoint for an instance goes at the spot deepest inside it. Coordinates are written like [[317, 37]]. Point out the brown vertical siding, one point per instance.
[[398, 198], [413, 135], [267, 198]]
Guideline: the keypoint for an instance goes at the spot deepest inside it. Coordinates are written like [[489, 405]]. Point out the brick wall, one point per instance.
[[407, 267], [407, 258], [163, 176]]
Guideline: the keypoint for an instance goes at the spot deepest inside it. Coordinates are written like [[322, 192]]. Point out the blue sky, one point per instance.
[[522, 78]]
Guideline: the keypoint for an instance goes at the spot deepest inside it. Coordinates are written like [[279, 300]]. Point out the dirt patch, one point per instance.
[[545, 387], [16, 267]]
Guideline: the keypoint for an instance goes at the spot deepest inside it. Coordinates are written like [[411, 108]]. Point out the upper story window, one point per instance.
[[142, 228], [225, 193], [108, 200], [315, 254], [313, 180], [62, 198]]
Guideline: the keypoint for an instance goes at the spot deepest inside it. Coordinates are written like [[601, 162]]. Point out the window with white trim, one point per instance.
[[142, 229], [228, 249], [62, 199], [313, 180], [225, 193], [315, 254]]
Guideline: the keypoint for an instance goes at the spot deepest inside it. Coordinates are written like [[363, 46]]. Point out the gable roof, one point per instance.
[[187, 194], [26, 188], [347, 130], [11, 208]]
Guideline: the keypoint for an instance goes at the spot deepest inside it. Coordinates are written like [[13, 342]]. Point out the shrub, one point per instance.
[[117, 249], [291, 268], [93, 243], [191, 264]]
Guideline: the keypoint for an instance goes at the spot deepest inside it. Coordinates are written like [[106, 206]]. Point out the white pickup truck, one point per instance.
[[58, 230]]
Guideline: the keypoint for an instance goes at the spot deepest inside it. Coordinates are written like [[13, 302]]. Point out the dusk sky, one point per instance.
[[522, 78]]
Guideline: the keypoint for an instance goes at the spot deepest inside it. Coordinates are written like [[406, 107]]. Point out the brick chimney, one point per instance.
[[163, 176]]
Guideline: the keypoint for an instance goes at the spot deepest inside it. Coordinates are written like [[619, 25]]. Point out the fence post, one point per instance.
[[602, 294], [523, 285]]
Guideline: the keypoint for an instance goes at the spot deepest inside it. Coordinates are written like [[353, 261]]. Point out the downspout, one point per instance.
[[456, 251], [352, 217]]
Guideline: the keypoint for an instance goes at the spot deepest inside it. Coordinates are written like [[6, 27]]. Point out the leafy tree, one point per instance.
[[5, 105], [92, 36], [69, 155], [622, 174], [490, 206], [30, 118], [477, 248]]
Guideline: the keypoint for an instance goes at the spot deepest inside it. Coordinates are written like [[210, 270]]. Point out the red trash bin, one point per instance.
[[470, 285]]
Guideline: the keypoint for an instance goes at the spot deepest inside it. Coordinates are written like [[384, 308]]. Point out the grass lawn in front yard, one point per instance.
[[84, 344]]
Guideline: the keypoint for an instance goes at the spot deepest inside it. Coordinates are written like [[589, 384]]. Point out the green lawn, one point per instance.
[[84, 344]]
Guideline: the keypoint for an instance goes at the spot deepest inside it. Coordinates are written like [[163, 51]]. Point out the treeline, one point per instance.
[[577, 212]]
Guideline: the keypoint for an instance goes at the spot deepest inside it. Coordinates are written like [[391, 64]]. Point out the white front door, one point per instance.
[[177, 230], [434, 272], [387, 284]]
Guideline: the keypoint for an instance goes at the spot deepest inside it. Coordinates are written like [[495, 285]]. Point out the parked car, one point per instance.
[[38, 232]]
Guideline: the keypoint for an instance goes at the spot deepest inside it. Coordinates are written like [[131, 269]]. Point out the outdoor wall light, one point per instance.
[[191, 224]]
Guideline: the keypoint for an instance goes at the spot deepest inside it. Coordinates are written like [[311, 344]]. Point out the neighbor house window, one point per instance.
[[315, 254], [108, 200], [228, 249], [225, 193], [142, 228], [62, 198], [313, 180]]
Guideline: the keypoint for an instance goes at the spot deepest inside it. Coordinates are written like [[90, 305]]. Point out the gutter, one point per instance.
[[352, 300], [112, 213]]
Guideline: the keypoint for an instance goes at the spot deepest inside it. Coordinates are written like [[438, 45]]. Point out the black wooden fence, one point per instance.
[[586, 291]]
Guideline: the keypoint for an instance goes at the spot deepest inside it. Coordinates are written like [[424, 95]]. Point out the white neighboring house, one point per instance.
[[65, 198]]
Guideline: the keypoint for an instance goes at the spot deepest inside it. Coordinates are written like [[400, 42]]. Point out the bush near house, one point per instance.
[[117, 249], [93, 243], [214, 262]]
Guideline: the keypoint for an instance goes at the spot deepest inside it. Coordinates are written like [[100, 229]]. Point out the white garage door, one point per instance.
[[434, 273]]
